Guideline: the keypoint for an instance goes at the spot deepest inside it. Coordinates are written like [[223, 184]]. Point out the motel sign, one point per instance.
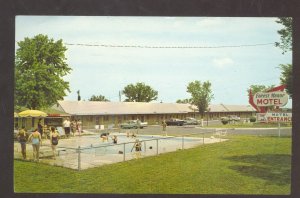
[[274, 117], [276, 98]]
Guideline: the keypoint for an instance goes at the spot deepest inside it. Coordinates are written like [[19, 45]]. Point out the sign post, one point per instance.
[[275, 118], [278, 129]]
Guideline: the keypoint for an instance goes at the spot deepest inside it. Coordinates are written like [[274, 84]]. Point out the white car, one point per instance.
[[133, 124], [234, 118], [191, 121]]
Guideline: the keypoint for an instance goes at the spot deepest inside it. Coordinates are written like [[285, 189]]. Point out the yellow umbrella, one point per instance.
[[32, 113], [15, 115]]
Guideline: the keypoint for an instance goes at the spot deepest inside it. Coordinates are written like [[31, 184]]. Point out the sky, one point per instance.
[[98, 70]]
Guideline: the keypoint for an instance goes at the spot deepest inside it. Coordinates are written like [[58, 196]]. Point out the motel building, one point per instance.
[[93, 113]]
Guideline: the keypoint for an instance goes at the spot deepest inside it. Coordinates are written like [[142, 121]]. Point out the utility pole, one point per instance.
[[119, 96], [78, 97]]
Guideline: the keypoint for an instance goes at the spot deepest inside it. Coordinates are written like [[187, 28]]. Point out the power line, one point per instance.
[[167, 47]]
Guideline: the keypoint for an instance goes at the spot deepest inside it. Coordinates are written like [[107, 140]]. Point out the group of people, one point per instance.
[[35, 138], [130, 134], [72, 126], [137, 146], [104, 137]]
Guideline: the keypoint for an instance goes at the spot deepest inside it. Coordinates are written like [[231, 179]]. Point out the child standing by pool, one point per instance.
[[115, 139], [54, 135], [138, 148]]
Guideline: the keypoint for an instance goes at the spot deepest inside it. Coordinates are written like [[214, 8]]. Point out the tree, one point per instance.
[[259, 88], [184, 101], [201, 95], [285, 34], [139, 93], [286, 78], [98, 98], [40, 66], [286, 44]]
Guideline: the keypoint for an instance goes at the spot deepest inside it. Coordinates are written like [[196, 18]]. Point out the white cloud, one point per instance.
[[223, 62]]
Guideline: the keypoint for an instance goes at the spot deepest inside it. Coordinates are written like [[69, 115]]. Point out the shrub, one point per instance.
[[252, 119], [224, 120]]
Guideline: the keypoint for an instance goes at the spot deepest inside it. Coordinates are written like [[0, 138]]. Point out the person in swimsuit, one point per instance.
[[115, 139], [40, 127], [22, 139], [36, 140], [104, 136], [54, 135], [138, 148]]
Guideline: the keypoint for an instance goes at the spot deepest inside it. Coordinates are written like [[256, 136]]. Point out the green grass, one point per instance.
[[242, 165]]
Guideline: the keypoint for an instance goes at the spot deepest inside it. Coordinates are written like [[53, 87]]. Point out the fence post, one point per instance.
[[182, 142], [124, 152], [203, 137], [156, 146], [79, 158], [145, 146]]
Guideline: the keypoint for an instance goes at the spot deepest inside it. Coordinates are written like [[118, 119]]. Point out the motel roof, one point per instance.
[[117, 108]]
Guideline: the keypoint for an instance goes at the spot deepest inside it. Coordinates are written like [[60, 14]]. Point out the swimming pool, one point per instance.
[[149, 143], [82, 152]]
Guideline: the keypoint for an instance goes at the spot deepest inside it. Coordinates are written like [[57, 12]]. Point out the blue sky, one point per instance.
[[102, 70]]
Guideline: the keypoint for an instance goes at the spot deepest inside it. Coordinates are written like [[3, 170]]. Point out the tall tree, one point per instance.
[[40, 68], [139, 93], [201, 95], [286, 78], [286, 41], [285, 34], [98, 98]]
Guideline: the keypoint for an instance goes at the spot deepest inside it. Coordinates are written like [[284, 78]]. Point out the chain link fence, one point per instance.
[[100, 153]]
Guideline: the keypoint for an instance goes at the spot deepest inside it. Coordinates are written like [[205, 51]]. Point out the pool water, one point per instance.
[[149, 143]]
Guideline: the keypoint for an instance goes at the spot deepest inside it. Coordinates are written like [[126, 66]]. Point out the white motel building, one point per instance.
[[93, 113]]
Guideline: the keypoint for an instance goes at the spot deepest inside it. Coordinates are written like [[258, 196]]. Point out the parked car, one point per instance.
[[191, 121], [133, 124], [234, 118], [174, 122]]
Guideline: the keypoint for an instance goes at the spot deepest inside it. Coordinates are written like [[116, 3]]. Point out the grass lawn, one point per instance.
[[242, 165]]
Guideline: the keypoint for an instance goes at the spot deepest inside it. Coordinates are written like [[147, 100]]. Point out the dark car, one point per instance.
[[175, 122]]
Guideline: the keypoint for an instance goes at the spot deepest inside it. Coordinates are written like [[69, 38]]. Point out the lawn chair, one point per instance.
[[61, 132]]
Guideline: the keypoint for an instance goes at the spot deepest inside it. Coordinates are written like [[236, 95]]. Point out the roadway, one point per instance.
[[181, 130]]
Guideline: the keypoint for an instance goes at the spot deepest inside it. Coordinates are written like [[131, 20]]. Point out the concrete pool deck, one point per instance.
[[94, 152]]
